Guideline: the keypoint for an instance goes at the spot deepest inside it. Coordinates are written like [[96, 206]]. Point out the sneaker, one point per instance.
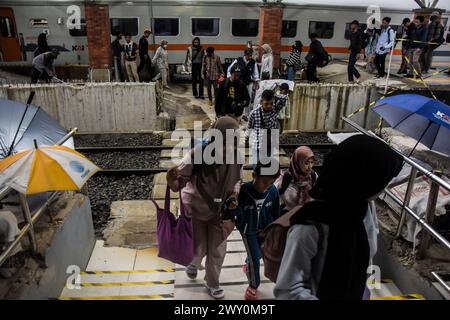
[[216, 293], [191, 272], [251, 294]]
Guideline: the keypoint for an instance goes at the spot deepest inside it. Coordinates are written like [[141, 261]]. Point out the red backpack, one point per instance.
[[275, 235]]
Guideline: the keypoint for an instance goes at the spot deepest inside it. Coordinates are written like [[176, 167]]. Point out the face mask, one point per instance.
[[165, 46]]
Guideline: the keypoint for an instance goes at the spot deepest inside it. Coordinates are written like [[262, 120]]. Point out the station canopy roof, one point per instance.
[[384, 4]]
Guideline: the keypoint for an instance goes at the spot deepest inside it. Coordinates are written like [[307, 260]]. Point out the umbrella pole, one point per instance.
[[30, 98], [421, 137]]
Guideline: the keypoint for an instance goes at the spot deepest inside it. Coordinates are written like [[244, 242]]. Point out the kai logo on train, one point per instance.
[[442, 116]]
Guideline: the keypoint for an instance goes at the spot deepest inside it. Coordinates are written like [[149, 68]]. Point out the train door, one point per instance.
[[9, 40]]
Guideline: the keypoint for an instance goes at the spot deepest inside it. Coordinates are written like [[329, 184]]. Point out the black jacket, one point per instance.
[[247, 70], [116, 48], [130, 55], [316, 51], [143, 47], [355, 42], [232, 98]]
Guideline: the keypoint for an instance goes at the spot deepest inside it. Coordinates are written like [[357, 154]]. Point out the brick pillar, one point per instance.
[[98, 35], [270, 25]]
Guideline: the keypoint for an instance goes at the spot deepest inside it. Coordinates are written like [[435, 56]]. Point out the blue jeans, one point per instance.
[[253, 248], [291, 73]]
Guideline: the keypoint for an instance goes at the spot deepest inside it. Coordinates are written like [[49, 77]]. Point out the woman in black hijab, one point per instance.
[[42, 45], [327, 251]]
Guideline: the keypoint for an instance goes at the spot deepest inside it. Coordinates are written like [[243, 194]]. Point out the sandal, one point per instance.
[[216, 293], [191, 272], [251, 294]]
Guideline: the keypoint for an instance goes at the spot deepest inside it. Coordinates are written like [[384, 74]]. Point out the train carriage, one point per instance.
[[226, 25]]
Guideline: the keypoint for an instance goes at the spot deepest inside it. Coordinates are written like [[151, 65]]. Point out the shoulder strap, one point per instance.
[[262, 117], [313, 178], [286, 180]]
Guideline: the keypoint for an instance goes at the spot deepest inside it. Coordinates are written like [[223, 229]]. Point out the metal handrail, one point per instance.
[[436, 183], [28, 228]]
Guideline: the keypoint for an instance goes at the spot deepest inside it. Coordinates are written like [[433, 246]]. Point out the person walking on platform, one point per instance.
[[257, 206], [295, 182], [44, 66], [42, 45], [116, 50], [408, 27], [232, 96], [314, 57], [416, 45], [355, 50], [130, 50], [249, 74], [266, 62], [204, 190], [144, 58], [194, 57], [161, 59], [372, 34], [327, 248], [386, 41], [435, 35], [212, 70], [294, 60]]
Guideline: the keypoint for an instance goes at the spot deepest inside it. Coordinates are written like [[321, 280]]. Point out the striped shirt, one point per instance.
[[294, 58], [260, 119]]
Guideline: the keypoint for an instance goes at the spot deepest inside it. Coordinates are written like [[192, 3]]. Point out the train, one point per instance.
[[225, 25]]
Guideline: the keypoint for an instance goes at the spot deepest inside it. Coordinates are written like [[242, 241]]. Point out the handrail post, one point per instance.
[[411, 181], [27, 215], [429, 218]]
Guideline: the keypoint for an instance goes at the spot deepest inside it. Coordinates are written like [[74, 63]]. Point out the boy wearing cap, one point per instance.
[[232, 96]]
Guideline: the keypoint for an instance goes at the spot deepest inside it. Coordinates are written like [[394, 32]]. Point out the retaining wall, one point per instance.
[[319, 107], [93, 107]]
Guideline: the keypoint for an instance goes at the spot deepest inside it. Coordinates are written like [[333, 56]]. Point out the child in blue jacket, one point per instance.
[[257, 206]]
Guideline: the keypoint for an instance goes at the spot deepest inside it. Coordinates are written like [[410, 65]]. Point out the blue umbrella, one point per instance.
[[21, 124], [425, 119]]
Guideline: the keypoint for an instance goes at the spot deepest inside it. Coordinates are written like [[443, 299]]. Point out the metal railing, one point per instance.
[[426, 222], [28, 228]]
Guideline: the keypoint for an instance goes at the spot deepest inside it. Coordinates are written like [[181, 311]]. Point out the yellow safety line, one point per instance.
[[420, 77], [129, 271], [413, 296], [125, 284], [381, 281], [426, 42], [130, 297]]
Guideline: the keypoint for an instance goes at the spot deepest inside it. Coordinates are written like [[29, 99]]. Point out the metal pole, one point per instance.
[[389, 68], [412, 179], [27, 216], [429, 218]]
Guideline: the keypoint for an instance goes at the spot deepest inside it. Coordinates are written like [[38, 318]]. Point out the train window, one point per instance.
[[39, 22], [289, 29], [124, 25], [324, 30], [362, 27], [7, 28], [207, 27], [244, 27], [79, 32], [166, 26]]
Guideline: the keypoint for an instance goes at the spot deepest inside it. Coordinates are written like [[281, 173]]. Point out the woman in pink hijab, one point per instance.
[[295, 182]]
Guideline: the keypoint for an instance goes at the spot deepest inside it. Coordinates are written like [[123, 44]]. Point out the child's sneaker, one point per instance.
[[191, 272], [216, 293], [244, 268], [251, 294]]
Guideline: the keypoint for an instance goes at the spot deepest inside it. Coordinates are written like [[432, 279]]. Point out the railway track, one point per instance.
[[320, 148]]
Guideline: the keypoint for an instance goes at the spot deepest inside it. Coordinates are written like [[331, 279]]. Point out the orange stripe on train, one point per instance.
[[241, 47]]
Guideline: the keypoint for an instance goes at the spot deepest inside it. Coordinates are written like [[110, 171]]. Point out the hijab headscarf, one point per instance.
[[215, 182], [267, 49], [298, 178], [359, 168]]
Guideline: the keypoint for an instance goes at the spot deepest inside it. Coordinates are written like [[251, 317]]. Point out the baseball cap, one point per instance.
[[435, 14], [236, 69]]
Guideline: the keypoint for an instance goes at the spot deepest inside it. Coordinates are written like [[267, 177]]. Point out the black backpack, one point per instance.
[[365, 39]]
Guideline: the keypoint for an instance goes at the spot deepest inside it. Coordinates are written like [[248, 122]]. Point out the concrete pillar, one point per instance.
[[270, 26], [98, 36]]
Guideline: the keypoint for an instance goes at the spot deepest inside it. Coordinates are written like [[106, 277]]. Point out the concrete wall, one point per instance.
[[319, 107], [93, 107]]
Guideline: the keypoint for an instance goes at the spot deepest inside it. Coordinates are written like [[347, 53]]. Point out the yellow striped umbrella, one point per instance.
[[47, 168]]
